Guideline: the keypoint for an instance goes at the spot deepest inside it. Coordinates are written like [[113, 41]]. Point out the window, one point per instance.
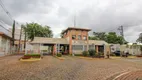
[[84, 38], [79, 37], [73, 36], [77, 47]]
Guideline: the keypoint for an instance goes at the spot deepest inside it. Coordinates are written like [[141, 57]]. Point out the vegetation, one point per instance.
[[85, 53], [78, 54], [36, 30], [140, 40], [92, 52], [59, 55], [110, 37], [112, 54], [28, 56], [32, 54]]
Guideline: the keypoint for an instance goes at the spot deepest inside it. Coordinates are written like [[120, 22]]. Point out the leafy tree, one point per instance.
[[36, 30], [100, 35], [110, 37], [140, 38], [93, 38]]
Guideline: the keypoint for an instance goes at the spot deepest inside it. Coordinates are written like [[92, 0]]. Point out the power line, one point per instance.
[[8, 29], [6, 11]]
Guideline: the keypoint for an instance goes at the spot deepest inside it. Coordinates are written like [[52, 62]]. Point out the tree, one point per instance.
[[13, 32], [37, 30], [93, 38], [100, 35], [110, 37], [139, 38]]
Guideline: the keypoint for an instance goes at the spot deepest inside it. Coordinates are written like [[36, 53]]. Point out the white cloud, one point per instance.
[[99, 15]]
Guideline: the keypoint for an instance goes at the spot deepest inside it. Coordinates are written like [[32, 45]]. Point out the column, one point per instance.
[[96, 48], [54, 49]]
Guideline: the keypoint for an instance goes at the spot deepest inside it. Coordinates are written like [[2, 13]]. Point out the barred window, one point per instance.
[[79, 37], [77, 47]]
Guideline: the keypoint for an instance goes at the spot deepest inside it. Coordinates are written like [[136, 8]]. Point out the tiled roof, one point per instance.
[[98, 42], [75, 28], [50, 40], [4, 35]]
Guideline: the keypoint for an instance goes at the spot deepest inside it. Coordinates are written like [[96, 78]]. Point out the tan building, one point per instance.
[[75, 40]]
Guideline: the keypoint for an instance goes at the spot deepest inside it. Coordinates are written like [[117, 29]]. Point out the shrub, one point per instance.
[[28, 56], [92, 52], [85, 53], [112, 54], [31, 54], [59, 54], [99, 55], [78, 54]]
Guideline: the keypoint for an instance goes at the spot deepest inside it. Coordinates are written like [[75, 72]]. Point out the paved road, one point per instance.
[[72, 68]]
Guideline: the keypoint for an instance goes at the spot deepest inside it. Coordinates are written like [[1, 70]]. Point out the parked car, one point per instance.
[[117, 53]]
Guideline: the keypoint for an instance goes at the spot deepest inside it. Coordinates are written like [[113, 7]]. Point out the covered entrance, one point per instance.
[[49, 46], [51, 49]]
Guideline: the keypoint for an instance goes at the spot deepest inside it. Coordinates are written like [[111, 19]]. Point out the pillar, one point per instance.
[[96, 48], [54, 49], [70, 49]]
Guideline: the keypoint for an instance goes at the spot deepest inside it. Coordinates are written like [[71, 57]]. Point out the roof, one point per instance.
[[98, 42], [79, 42], [4, 35], [75, 28], [50, 40]]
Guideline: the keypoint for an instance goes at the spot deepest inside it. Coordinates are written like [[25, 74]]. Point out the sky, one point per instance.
[[98, 15]]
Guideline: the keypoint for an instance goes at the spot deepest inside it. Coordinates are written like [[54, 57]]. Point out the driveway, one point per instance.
[[72, 68]]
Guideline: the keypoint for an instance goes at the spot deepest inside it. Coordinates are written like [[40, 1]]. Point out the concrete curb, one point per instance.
[[29, 60]]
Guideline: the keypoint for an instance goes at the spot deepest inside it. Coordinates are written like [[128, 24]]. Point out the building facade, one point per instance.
[[74, 41]]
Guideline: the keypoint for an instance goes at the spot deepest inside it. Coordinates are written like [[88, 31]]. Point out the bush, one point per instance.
[[99, 55], [31, 54], [85, 53], [112, 54], [28, 56], [92, 52], [78, 54], [59, 55]]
